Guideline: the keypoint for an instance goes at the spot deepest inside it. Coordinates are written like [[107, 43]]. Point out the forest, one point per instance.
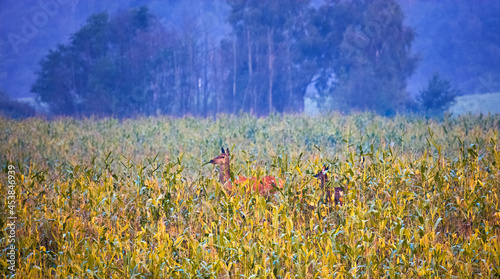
[[346, 55], [129, 63]]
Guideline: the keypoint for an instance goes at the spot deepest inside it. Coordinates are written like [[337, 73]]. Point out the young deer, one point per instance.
[[339, 191], [265, 185]]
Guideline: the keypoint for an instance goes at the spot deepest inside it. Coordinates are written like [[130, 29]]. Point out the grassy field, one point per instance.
[[103, 198]]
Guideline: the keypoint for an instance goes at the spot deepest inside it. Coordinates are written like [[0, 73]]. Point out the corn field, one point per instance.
[[107, 198]]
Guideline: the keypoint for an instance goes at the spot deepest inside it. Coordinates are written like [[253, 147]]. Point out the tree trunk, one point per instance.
[[234, 75], [250, 71], [177, 83], [271, 68], [289, 73], [205, 79]]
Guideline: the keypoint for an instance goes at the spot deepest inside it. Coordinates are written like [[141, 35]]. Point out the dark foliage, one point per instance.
[[374, 59], [438, 96], [129, 64], [105, 69]]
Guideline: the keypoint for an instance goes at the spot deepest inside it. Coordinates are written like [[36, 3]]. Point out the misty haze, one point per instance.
[[131, 58], [250, 139]]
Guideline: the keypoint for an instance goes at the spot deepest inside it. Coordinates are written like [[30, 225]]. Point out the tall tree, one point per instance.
[[267, 35], [363, 54], [438, 96], [375, 58], [104, 70]]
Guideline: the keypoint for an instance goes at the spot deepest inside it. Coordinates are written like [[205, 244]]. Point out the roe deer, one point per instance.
[[265, 185], [339, 191]]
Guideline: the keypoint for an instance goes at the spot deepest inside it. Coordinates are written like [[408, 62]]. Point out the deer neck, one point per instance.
[[224, 173], [324, 179]]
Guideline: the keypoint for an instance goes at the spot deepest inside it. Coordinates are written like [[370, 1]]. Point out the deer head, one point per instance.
[[338, 191], [223, 160], [322, 176]]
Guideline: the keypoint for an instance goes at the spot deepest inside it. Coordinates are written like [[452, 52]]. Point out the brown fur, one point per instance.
[[265, 185], [339, 191]]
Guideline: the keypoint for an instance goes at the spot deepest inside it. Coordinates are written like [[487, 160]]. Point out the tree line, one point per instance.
[[357, 54]]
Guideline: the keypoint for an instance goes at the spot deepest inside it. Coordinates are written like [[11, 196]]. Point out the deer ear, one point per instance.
[[227, 151], [222, 149], [325, 169]]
